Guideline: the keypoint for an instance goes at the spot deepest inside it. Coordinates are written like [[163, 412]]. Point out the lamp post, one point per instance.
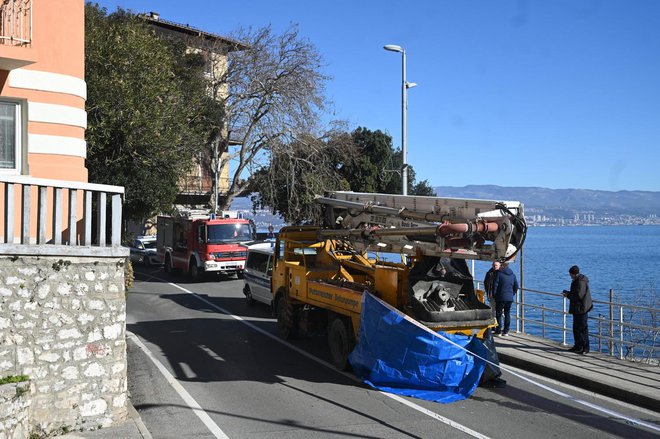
[[404, 114]]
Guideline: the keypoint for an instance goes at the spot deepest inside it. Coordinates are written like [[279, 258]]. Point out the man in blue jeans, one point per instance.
[[580, 304], [505, 286]]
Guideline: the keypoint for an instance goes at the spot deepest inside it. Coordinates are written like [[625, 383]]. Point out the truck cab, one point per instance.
[[204, 245]]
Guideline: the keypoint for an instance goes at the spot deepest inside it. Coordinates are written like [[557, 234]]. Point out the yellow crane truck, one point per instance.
[[321, 272]]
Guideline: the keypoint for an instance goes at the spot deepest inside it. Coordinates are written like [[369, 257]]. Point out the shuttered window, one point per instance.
[[9, 132]]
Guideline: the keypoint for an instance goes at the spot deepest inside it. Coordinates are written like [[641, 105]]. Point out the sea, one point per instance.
[[624, 259]]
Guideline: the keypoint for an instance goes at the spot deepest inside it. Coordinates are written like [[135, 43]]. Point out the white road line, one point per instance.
[[589, 393], [195, 407], [397, 398], [411, 404], [211, 353], [563, 394], [187, 371]]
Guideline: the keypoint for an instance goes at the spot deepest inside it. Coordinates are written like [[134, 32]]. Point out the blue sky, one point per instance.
[[556, 94]]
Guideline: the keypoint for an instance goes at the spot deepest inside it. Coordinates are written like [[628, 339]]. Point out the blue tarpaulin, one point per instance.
[[396, 354]]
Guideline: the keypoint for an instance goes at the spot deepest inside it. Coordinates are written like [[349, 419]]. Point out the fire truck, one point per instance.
[[198, 242], [321, 272]]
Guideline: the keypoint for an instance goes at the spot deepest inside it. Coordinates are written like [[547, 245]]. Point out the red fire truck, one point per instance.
[[197, 242]]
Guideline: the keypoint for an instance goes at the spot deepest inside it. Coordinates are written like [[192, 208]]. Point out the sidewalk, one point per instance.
[[635, 383], [132, 428]]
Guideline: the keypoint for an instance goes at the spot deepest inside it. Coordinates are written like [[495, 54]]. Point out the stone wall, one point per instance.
[[62, 323], [15, 401]]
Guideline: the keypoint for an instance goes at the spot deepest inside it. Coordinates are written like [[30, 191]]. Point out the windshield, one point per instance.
[[228, 233], [149, 244]]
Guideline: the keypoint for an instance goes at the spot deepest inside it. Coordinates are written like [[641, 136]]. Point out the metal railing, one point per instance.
[[621, 330], [88, 225], [16, 22]]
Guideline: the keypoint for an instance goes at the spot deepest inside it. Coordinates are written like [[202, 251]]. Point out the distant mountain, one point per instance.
[[553, 202], [641, 203]]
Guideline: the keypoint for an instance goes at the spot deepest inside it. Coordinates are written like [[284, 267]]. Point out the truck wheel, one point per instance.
[[248, 295], [193, 271], [286, 324], [340, 341]]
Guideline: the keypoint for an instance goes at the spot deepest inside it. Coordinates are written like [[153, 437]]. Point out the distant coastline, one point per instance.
[[569, 207]]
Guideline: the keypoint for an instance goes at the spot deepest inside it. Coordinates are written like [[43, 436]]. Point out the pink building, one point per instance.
[[42, 89]]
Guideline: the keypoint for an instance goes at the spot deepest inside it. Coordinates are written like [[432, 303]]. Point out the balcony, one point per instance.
[[16, 34], [16, 22]]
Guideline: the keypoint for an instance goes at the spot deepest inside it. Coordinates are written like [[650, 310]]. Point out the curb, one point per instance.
[[135, 416]]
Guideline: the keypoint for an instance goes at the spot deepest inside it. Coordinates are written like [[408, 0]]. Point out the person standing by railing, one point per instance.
[[505, 286], [488, 284], [580, 304]]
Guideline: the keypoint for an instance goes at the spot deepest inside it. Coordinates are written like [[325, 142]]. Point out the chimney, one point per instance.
[[154, 15]]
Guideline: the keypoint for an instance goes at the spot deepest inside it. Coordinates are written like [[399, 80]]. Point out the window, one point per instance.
[[258, 261], [10, 137], [218, 233]]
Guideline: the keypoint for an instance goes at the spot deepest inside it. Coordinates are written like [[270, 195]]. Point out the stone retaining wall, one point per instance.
[[15, 400], [62, 323]]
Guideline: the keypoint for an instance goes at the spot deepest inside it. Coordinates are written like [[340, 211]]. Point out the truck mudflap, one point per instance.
[[397, 354]]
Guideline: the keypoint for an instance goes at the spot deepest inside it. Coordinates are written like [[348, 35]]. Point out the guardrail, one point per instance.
[[622, 330], [16, 22], [41, 208]]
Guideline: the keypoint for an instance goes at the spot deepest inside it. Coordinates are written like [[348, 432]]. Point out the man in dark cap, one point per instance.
[[579, 297]]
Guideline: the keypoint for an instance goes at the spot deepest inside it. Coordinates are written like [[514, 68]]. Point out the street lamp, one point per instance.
[[404, 116]]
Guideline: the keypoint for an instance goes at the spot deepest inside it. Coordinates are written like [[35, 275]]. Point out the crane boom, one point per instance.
[[420, 225]]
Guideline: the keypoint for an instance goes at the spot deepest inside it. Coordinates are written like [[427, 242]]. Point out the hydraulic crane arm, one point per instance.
[[433, 226]]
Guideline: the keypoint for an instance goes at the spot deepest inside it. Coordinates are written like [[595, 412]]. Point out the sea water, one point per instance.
[[625, 259]]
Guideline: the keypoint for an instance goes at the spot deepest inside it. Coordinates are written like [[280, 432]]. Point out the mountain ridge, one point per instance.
[[623, 202]]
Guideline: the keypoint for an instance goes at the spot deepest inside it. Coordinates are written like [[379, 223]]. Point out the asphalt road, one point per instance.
[[205, 364]]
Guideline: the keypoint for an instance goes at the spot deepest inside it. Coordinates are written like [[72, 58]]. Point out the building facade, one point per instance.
[[42, 89], [203, 181], [62, 284]]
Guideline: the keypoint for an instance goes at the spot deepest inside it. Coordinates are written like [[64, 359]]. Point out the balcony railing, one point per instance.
[[35, 211], [16, 22]]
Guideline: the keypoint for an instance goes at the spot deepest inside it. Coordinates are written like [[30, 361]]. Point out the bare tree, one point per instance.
[[301, 170], [272, 93]]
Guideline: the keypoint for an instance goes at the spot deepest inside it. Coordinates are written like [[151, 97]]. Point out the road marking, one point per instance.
[[194, 406], [410, 404], [211, 353], [596, 407], [590, 393], [187, 371], [397, 398]]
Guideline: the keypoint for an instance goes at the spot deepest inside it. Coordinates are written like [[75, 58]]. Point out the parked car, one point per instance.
[[258, 273], [143, 251]]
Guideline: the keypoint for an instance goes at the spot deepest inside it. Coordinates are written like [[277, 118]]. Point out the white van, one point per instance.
[[257, 273]]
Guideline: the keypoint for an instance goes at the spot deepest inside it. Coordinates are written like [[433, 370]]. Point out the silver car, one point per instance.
[[143, 251], [258, 273]]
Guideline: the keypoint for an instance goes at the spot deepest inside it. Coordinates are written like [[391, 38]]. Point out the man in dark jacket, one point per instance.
[[488, 283], [505, 286], [580, 304]]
